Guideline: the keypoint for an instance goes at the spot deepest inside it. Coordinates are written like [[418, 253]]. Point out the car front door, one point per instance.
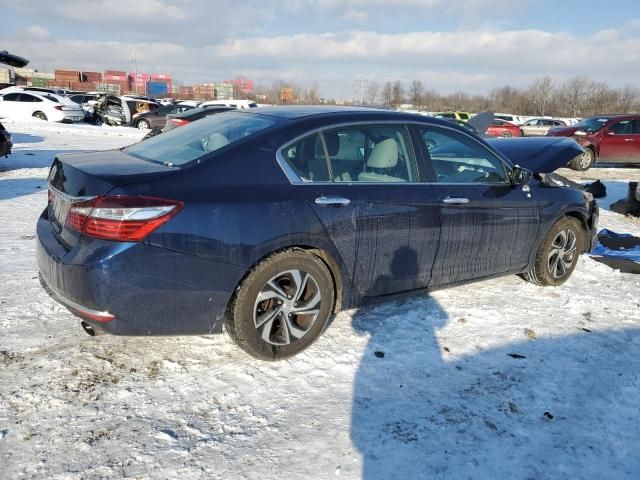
[[362, 182], [620, 143], [488, 225]]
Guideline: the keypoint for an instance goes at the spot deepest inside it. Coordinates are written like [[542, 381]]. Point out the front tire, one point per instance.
[[558, 255], [282, 306], [584, 161], [507, 134], [143, 125]]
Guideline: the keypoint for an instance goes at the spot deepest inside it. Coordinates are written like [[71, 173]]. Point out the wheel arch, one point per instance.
[[583, 222]]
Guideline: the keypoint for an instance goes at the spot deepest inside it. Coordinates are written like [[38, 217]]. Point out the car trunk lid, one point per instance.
[[76, 178]]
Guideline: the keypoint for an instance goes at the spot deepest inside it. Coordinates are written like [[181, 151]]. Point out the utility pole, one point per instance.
[[135, 69], [362, 81]]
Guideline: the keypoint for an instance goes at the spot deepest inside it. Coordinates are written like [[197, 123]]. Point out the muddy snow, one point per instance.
[[499, 379]]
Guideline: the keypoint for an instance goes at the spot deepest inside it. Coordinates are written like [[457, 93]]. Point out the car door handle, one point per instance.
[[456, 200], [332, 201], [628, 139]]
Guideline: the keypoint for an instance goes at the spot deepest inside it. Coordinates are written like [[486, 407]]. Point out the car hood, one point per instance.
[[539, 155], [562, 131]]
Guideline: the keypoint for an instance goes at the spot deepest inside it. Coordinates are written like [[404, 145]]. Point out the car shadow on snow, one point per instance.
[[17, 187], [18, 138], [28, 158], [566, 407]]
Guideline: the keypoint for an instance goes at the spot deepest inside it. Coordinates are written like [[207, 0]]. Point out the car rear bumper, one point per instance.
[[135, 288]]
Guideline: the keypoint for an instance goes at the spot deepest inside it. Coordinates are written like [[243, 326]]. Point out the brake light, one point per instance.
[[58, 107], [178, 122], [121, 218]]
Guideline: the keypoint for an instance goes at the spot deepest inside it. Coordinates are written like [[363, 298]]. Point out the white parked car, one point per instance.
[[231, 103], [537, 127], [22, 105], [515, 119]]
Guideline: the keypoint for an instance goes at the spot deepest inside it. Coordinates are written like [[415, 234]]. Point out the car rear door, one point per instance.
[[488, 226], [363, 183], [619, 143], [11, 107]]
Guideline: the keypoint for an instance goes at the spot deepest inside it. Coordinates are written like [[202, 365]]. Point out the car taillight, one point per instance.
[[58, 107], [121, 218], [178, 122]]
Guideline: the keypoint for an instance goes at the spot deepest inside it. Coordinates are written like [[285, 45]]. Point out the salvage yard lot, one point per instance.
[[499, 378]]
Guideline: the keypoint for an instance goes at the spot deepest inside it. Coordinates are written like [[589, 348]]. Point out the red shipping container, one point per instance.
[[116, 73], [160, 76]]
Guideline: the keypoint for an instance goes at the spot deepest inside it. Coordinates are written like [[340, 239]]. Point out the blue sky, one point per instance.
[[470, 45]]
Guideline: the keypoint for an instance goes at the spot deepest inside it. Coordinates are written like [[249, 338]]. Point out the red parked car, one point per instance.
[[605, 139], [502, 128]]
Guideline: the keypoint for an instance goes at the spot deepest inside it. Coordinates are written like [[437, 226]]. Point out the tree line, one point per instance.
[[576, 97]]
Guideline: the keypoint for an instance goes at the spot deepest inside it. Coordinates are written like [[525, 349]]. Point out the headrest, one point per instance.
[[332, 141], [214, 142], [384, 154]]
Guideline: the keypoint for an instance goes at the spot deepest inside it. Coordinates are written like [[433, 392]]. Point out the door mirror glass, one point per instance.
[[521, 176]]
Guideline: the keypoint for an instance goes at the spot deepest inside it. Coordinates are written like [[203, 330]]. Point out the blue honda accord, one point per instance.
[[269, 221]]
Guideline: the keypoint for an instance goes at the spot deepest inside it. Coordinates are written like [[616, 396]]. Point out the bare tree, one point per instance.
[[416, 94], [387, 94], [397, 92], [371, 94], [540, 93]]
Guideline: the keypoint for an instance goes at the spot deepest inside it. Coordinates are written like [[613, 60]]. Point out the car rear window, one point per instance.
[[181, 146]]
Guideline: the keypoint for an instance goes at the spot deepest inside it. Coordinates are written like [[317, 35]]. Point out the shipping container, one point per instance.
[[38, 82], [156, 89], [5, 75], [116, 73], [160, 76], [45, 75], [24, 72], [92, 76]]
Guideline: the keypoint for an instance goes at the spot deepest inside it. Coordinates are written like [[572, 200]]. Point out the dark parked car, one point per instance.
[[158, 117], [184, 118], [271, 220], [605, 138]]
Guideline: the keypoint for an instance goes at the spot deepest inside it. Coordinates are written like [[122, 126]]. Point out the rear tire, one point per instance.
[[507, 134], [282, 306], [143, 125], [40, 116], [558, 255], [585, 161]]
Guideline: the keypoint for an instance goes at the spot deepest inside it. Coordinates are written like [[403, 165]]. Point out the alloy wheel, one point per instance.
[[562, 253], [586, 159], [287, 307]]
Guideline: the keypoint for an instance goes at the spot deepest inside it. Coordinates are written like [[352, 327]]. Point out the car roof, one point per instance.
[[294, 112]]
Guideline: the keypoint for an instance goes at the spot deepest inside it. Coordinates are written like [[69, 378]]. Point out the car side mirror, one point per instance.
[[580, 133], [520, 176]]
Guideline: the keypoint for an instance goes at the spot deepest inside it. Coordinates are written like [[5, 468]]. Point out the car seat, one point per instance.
[[383, 158]]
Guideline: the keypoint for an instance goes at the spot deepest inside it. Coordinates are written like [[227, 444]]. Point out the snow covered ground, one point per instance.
[[499, 379]]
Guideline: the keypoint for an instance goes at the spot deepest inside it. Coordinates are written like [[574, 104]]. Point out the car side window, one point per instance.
[[29, 98], [370, 153], [11, 97], [635, 129], [621, 128], [306, 158], [457, 158]]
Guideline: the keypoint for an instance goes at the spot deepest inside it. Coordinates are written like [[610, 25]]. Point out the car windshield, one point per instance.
[[592, 124], [184, 145]]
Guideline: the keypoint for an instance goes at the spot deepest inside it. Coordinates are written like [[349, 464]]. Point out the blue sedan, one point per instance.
[[269, 221]]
